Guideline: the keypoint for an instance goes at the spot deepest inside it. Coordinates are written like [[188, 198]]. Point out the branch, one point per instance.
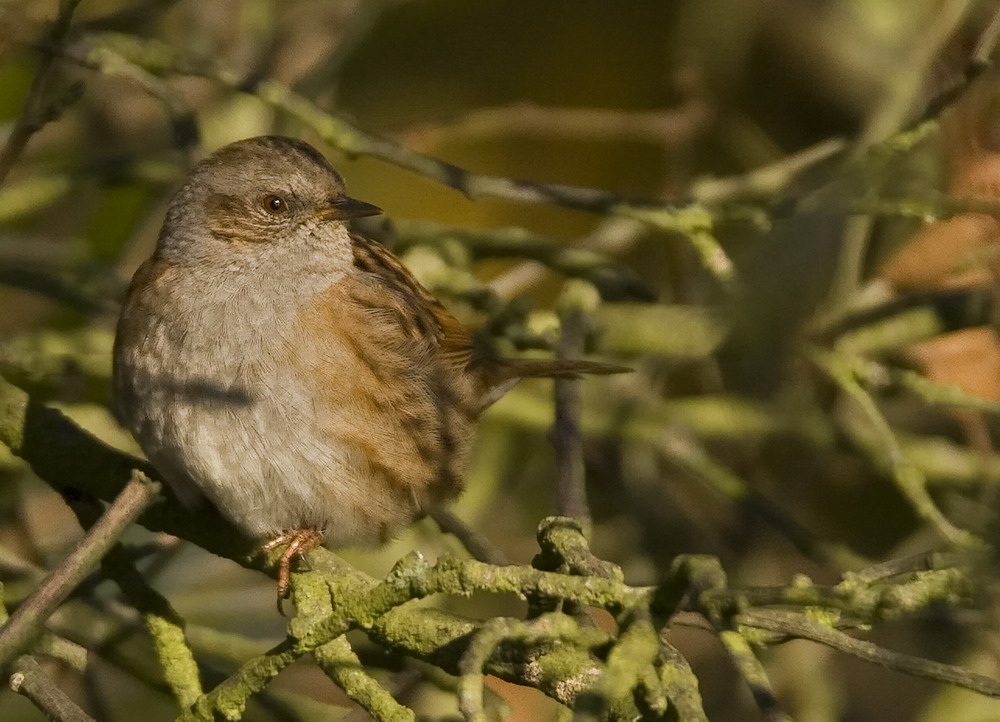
[[230, 697], [753, 674], [333, 598], [844, 370], [616, 281], [342, 665], [475, 543], [799, 626], [567, 439], [37, 109], [629, 660], [25, 624], [670, 127], [165, 627], [680, 684], [29, 679], [108, 52]]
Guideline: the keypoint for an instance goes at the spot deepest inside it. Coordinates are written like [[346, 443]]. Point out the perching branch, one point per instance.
[[334, 598]]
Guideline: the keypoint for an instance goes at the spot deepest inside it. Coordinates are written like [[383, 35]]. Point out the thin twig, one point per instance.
[[843, 370], [26, 622], [165, 626], [475, 543], [29, 679], [342, 665], [571, 490], [684, 217], [37, 109], [800, 626], [753, 674]]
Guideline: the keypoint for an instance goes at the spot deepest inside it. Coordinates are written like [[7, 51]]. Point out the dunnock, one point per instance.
[[294, 373]]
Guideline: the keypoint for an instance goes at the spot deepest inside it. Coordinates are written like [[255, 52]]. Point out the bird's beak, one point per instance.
[[344, 208]]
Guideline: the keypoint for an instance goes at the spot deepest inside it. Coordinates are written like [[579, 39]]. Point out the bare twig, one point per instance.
[[475, 543], [571, 490], [668, 127], [26, 622], [39, 110], [29, 679], [800, 626]]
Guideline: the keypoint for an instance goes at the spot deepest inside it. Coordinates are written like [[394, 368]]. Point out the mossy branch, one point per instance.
[[111, 53], [553, 653]]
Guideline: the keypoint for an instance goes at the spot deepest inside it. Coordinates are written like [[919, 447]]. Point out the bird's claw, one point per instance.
[[300, 542]]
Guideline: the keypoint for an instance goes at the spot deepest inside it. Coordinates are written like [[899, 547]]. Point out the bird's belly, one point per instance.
[[250, 438]]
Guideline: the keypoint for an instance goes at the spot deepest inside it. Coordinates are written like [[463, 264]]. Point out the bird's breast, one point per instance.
[[291, 416]]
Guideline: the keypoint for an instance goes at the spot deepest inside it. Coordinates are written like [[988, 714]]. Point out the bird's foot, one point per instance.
[[300, 542]]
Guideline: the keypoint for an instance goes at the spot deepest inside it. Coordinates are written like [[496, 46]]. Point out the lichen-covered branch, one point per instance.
[[577, 665], [614, 280], [753, 674], [886, 450], [802, 627], [230, 698], [164, 625], [107, 53], [342, 665]]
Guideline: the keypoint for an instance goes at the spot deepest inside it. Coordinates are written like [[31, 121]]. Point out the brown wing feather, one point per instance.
[[489, 377], [454, 341]]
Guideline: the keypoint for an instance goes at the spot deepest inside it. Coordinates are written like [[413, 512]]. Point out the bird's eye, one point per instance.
[[275, 204]]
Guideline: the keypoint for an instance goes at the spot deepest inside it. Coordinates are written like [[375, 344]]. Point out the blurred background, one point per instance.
[[730, 439]]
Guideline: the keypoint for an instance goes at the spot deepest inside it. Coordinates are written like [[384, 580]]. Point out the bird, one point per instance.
[[295, 374]]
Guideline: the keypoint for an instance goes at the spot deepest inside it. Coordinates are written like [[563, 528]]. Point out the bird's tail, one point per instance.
[[504, 373], [557, 368]]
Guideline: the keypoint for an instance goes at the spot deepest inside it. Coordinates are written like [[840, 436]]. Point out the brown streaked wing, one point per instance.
[[455, 345]]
